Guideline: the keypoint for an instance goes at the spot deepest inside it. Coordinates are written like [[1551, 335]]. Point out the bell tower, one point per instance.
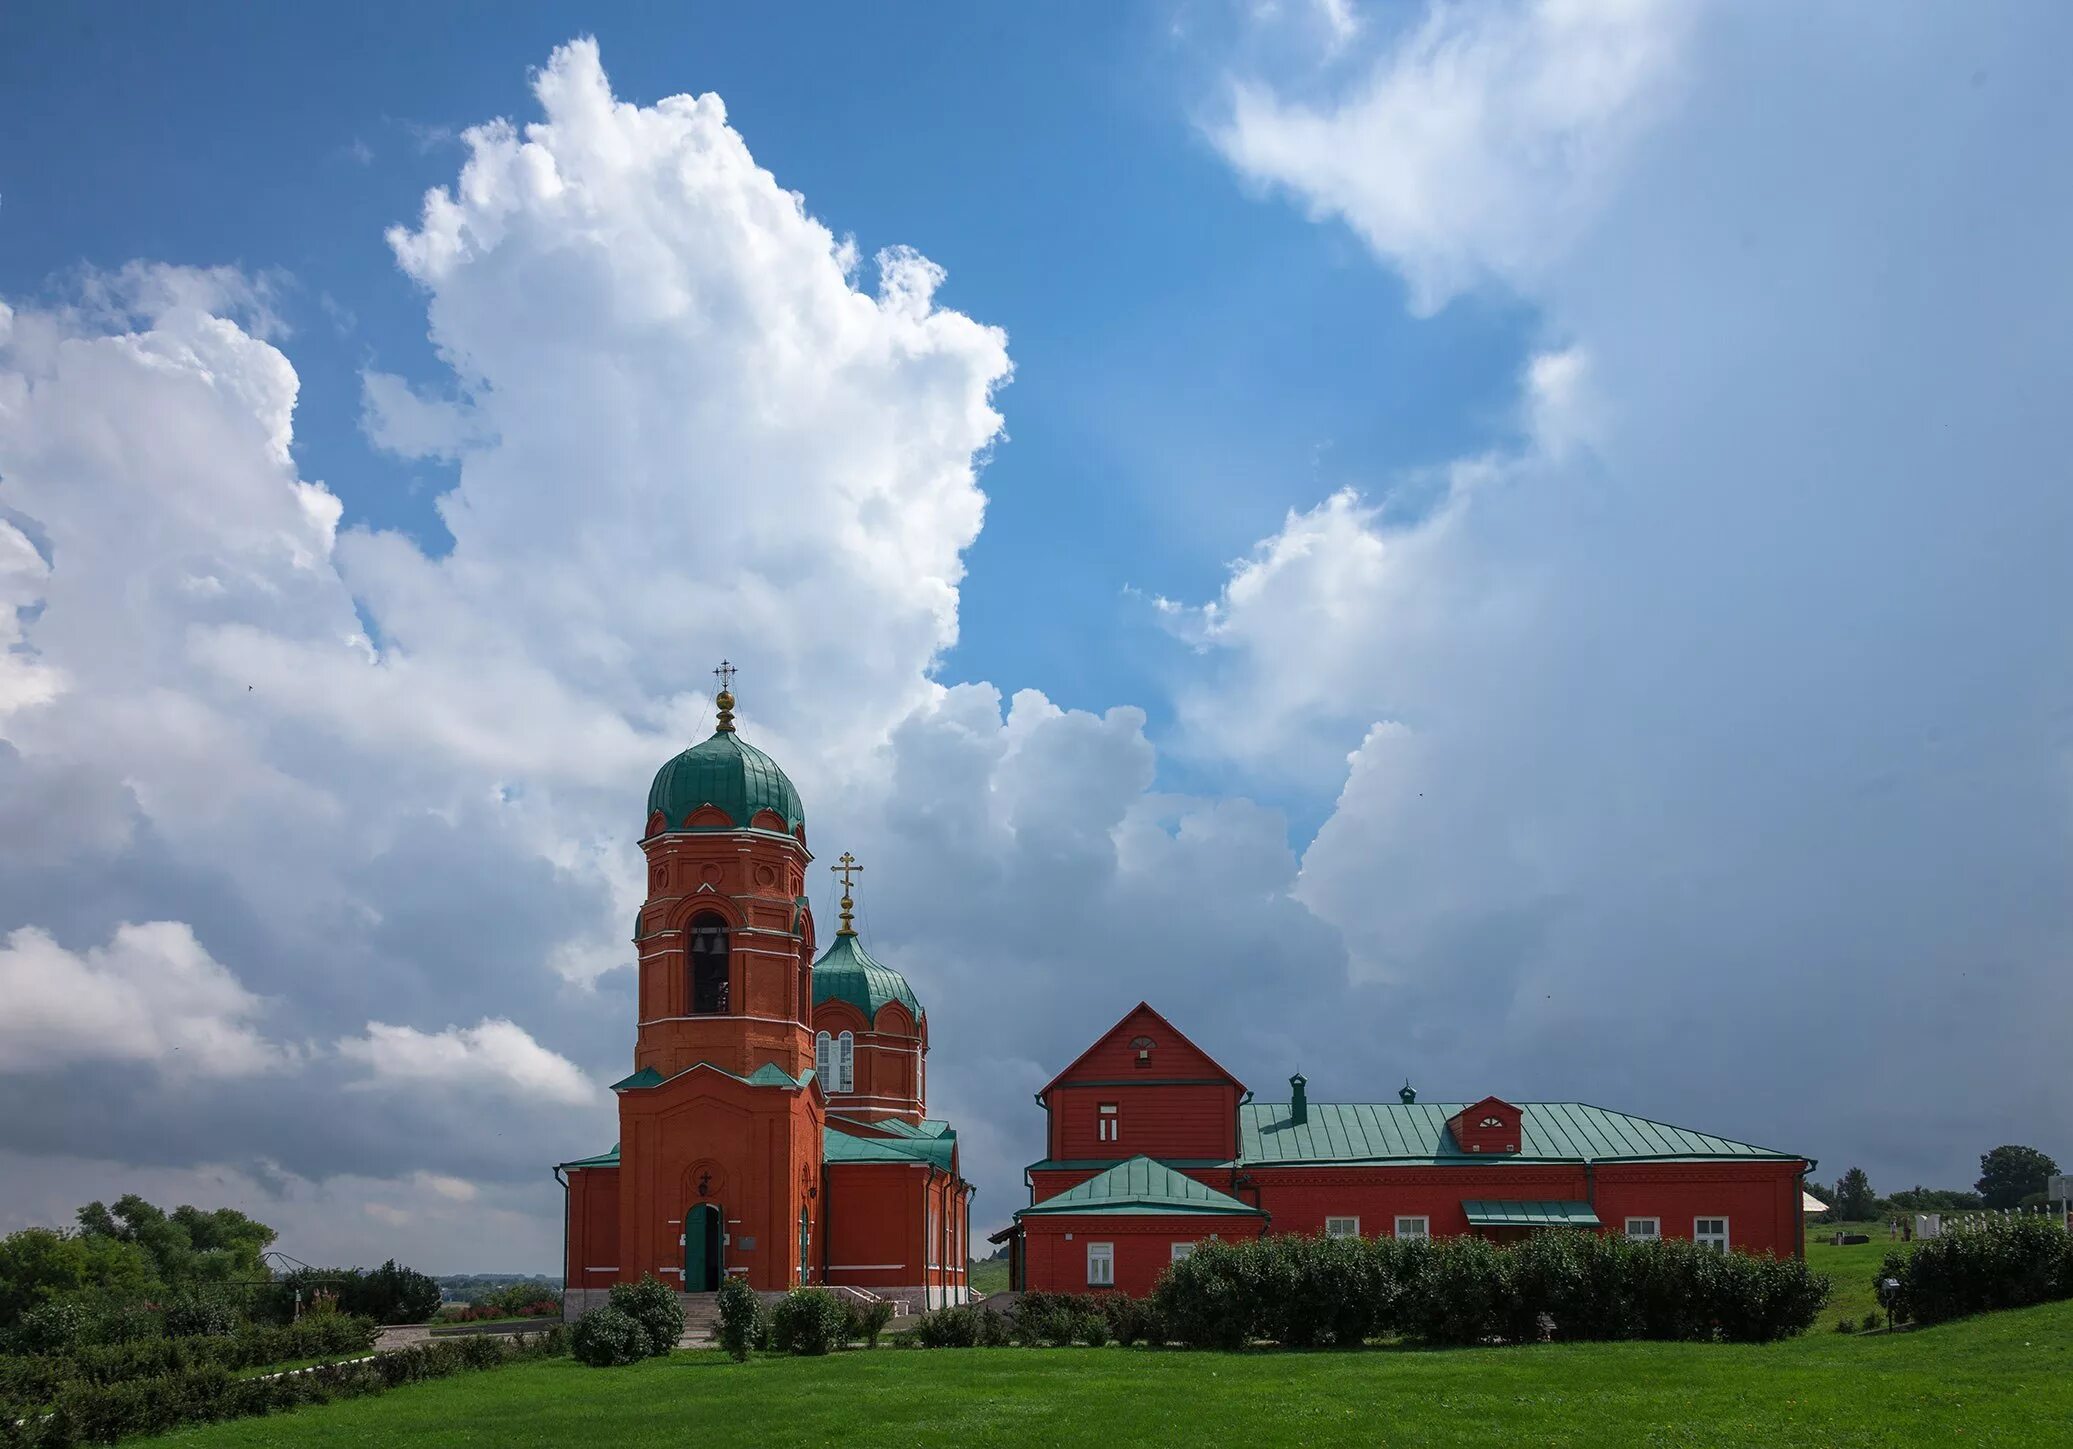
[[726, 935]]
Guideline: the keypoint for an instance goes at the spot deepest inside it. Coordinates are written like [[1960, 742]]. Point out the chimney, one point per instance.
[[1298, 1103]]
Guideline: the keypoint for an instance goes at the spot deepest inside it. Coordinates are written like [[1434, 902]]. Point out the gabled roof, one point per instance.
[[770, 1074], [1418, 1132], [896, 1126], [1147, 1009], [842, 1147], [1141, 1186]]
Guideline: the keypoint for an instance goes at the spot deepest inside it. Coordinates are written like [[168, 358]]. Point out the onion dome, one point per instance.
[[727, 774], [847, 972]]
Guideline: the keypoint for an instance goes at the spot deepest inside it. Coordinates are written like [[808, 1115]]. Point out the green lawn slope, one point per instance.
[[2002, 1379]]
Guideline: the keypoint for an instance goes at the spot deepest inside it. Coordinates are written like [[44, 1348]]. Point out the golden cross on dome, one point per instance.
[[846, 867], [724, 700]]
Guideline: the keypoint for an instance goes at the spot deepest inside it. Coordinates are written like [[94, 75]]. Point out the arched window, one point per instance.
[[846, 1062], [824, 1061], [708, 965]]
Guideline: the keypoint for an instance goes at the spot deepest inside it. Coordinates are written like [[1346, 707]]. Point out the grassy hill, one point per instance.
[[1997, 1380]]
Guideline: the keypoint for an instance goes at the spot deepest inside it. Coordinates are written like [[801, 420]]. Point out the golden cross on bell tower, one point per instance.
[[725, 698], [846, 867]]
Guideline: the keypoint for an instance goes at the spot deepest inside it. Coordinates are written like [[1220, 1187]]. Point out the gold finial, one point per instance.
[[846, 867], [725, 698]]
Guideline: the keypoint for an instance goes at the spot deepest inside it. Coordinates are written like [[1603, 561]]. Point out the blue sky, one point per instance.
[[1189, 364], [1517, 545]]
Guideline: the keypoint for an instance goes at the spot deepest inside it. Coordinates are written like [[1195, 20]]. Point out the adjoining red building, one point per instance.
[[1153, 1147], [775, 1124]]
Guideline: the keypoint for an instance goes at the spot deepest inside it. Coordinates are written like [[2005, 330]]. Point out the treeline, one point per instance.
[[476, 1287], [2010, 1177]]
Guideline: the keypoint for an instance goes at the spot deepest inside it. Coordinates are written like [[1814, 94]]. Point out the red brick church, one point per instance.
[[1152, 1147], [775, 1124]]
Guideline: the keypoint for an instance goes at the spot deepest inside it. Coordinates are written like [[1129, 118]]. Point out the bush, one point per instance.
[[104, 1413], [1214, 1297], [199, 1314], [606, 1337], [741, 1317], [951, 1328], [1460, 1293], [2001, 1263], [654, 1305], [1131, 1320], [808, 1321], [34, 1379], [867, 1320]]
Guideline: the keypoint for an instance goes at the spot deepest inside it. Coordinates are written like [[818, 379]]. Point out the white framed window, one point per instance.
[[1181, 1250], [1342, 1227], [824, 1061], [1101, 1265], [846, 1062], [1711, 1233], [1644, 1230], [1110, 1122], [1414, 1227]]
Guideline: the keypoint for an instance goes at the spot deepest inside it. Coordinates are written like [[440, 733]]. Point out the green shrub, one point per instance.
[[1131, 1320], [741, 1317], [2000, 1263], [35, 1378], [1216, 1296], [606, 1337], [808, 1322], [868, 1320], [654, 1305], [194, 1315], [951, 1328], [104, 1413]]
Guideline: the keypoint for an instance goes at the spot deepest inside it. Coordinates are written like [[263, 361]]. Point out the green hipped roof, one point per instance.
[[841, 1147], [846, 972], [1483, 1213], [738, 778], [1141, 1186], [898, 1126], [770, 1074], [1417, 1132]]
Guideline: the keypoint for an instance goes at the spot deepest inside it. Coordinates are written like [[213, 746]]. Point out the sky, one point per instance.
[[1514, 546]]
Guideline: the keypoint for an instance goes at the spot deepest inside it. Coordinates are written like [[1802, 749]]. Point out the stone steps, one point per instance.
[[701, 1318]]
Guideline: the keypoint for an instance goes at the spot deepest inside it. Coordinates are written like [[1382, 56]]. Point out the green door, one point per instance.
[[702, 1249]]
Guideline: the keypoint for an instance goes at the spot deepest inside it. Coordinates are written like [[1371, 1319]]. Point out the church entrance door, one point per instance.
[[703, 1256]]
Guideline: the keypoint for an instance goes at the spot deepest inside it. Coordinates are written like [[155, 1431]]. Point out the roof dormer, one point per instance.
[[1488, 1126]]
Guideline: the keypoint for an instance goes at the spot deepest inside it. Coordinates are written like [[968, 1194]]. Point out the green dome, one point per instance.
[[846, 972], [738, 778]]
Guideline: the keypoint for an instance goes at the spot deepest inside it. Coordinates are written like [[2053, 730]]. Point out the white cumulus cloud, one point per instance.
[[493, 1052]]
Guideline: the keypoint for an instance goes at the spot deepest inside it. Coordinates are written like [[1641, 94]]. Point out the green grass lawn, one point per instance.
[[2001, 1379], [1853, 1270]]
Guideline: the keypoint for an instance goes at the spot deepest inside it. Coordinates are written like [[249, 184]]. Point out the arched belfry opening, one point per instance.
[[709, 965]]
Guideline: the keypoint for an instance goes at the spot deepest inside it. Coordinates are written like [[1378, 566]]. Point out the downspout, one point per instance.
[[1799, 1213], [565, 1285], [1591, 1186], [827, 1217], [928, 1185]]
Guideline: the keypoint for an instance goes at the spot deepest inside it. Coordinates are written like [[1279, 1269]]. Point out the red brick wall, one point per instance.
[[875, 1224], [593, 1241], [1055, 1248], [1158, 1120]]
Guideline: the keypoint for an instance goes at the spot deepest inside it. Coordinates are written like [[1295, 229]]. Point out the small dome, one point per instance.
[[846, 972], [724, 772]]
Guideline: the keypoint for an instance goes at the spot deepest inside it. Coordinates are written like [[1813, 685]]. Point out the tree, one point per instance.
[[188, 1245], [38, 1265], [2009, 1174], [1854, 1200]]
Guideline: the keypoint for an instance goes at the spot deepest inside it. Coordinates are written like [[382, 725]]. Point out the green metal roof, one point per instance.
[[738, 778], [770, 1074], [603, 1159], [841, 1147], [1483, 1213], [899, 1126], [846, 972], [1417, 1132], [1141, 1185]]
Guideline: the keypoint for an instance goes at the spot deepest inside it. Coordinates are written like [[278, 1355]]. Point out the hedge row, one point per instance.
[[86, 1413], [1999, 1263], [36, 1378], [1302, 1291]]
